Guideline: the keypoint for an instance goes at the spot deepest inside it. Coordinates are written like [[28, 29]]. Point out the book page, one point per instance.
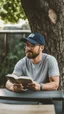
[[19, 79]]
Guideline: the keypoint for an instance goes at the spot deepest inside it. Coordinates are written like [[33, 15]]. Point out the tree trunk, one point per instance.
[[47, 17]]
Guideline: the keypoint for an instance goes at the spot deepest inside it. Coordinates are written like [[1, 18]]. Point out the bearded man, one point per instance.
[[41, 67]]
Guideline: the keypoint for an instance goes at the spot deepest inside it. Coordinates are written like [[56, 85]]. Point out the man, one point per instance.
[[43, 68]]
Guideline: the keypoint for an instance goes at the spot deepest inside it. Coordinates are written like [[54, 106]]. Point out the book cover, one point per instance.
[[19, 79]]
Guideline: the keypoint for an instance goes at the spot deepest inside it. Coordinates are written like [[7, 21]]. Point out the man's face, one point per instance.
[[32, 51]]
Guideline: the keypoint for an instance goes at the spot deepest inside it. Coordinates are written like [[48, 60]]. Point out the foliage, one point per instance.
[[8, 65], [11, 10]]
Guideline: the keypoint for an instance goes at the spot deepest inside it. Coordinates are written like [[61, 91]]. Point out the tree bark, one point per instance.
[[47, 18]]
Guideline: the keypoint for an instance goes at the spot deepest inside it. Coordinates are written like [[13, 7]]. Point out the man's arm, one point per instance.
[[14, 87], [53, 72], [9, 85], [52, 85]]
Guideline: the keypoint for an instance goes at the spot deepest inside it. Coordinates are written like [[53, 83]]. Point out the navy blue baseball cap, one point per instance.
[[35, 38]]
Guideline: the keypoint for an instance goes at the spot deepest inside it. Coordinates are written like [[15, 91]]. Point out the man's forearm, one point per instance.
[[9, 85], [50, 86]]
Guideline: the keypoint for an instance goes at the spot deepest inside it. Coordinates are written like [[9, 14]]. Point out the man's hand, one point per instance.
[[17, 87], [34, 86]]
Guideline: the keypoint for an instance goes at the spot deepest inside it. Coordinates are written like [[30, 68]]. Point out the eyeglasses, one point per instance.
[[32, 45]]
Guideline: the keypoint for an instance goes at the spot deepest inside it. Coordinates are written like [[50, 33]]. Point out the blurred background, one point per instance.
[[14, 25]]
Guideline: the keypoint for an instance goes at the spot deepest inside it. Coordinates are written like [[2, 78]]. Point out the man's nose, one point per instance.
[[28, 48]]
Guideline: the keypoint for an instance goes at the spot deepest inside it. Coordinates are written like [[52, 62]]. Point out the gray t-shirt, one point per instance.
[[39, 72]]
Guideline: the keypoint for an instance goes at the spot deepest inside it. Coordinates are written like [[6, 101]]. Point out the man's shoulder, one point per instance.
[[23, 60], [49, 57]]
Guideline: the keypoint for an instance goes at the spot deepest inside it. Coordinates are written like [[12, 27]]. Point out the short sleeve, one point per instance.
[[53, 69], [20, 65]]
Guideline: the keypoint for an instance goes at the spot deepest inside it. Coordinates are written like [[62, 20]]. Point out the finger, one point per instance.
[[29, 84], [18, 87], [31, 87], [15, 88]]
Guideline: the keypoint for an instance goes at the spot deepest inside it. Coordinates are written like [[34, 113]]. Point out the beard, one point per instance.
[[31, 54]]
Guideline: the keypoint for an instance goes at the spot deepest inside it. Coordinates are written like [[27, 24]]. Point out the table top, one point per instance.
[[30, 95]]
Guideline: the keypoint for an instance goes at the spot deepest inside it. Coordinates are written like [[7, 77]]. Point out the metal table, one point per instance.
[[30, 97]]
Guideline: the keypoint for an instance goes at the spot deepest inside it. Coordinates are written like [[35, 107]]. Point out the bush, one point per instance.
[[8, 64]]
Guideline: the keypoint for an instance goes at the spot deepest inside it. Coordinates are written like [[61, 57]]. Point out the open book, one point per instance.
[[19, 79]]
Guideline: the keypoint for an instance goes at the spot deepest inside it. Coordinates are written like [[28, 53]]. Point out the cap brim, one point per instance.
[[23, 40], [29, 40]]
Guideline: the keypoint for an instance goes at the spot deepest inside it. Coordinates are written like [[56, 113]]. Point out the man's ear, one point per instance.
[[42, 48]]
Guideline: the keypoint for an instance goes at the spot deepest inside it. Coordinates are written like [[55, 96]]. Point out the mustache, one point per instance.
[[28, 51]]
